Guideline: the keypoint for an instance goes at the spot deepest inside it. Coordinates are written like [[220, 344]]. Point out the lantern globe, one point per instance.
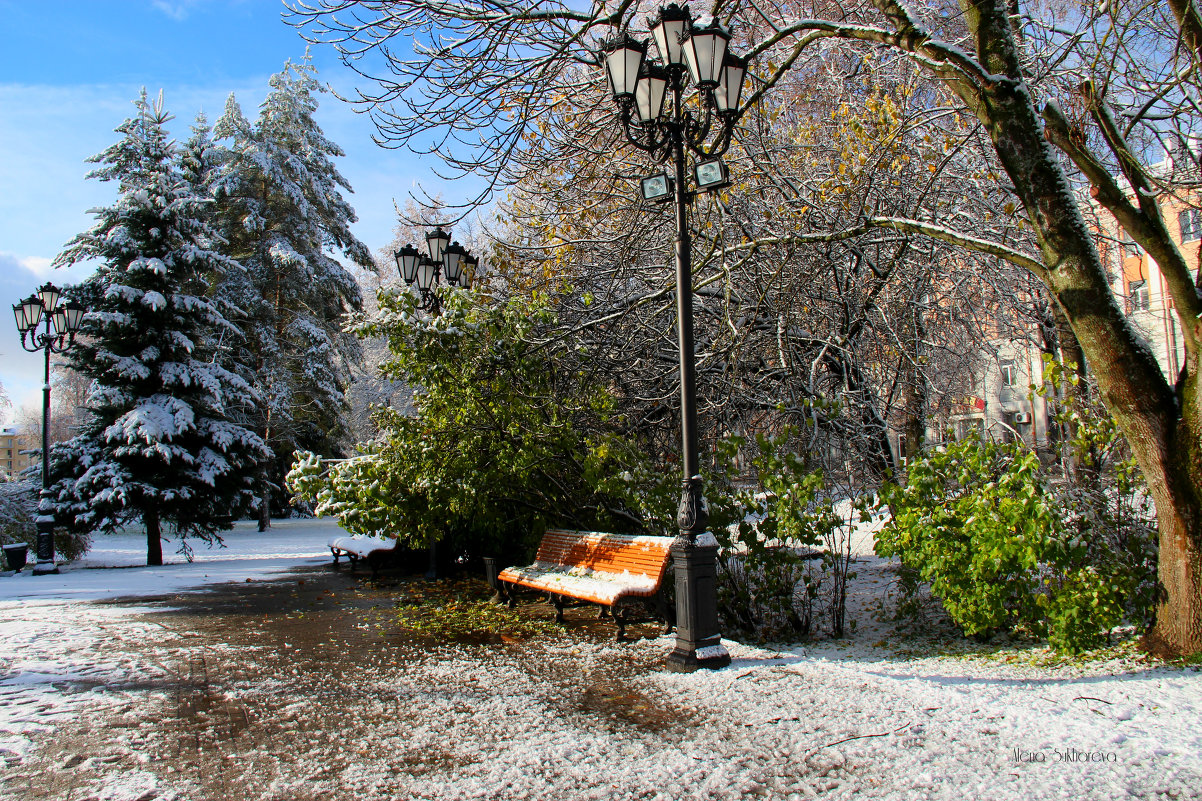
[[427, 274], [623, 62], [75, 312], [730, 88], [50, 295], [436, 242], [58, 322], [29, 313], [650, 92], [705, 53], [406, 262], [452, 263], [669, 29]]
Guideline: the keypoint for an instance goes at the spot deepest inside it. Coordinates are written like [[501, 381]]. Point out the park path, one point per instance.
[[299, 688]]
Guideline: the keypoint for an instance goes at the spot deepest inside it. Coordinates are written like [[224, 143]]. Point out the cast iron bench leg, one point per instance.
[[557, 600], [665, 611]]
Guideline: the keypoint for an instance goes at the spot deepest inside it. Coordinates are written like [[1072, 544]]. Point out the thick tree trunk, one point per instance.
[[154, 542], [1178, 628], [1162, 426]]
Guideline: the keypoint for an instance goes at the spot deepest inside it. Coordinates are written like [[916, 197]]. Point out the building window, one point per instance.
[[1137, 296], [1009, 374], [973, 428], [1190, 221]]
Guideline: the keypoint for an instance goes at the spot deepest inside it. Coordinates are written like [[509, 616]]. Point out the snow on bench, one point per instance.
[[359, 546], [611, 570]]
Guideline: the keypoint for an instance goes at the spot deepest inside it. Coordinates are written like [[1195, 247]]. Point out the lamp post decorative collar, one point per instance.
[[701, 123], [58, 323]]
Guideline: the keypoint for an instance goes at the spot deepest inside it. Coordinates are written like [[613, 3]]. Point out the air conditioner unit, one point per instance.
[[1022, 417]]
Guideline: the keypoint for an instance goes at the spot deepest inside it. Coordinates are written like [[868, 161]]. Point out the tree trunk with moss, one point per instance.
[[1163, 424]]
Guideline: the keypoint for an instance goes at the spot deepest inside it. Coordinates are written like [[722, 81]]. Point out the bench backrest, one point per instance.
[[609, 553]]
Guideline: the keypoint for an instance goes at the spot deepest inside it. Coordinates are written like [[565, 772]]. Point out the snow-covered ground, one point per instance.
[[247, 554], [564, 718]]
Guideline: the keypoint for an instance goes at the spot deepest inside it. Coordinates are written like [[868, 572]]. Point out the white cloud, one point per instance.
[[177, 10], [38, 265]]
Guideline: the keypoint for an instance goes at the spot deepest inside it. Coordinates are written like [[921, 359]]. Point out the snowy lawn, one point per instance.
[[295, 686]]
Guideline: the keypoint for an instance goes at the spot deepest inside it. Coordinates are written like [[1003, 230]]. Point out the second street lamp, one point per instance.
[[59, 322], [658, 118], [457, 266], [443, 258]]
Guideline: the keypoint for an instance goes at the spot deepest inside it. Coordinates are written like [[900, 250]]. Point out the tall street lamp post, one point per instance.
[[59, 323], [692, 56], [458, 267]]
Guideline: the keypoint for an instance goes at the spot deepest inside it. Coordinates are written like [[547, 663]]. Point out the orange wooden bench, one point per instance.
[[614, 571]]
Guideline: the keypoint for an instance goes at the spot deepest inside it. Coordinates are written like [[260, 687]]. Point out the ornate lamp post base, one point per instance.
[[698, 642], [45, 564]]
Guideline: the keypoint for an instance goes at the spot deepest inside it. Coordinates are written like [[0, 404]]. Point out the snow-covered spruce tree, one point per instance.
[[284, 217], [157, 443]]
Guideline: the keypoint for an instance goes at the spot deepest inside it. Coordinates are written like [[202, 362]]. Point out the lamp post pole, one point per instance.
[[61, 323], [695, 552], [640, 87]]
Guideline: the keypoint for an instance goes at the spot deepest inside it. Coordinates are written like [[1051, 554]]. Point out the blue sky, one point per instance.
[[69, 71]]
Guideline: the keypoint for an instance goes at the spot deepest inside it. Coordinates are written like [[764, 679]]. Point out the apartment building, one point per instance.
[[1139, 282], [1001, 406], [13, 458]]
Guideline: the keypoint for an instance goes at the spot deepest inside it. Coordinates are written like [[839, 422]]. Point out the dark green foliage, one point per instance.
[[158, 443], [508, 438], [282, 214], [768, 587]]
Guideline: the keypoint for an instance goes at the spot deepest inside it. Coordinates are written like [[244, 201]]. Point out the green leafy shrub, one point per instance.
[[976, 523], [510, 436], [1066, 551], [769, 587]]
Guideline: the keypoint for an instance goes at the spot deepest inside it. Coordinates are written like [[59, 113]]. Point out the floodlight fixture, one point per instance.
[[711, 175], [657, 187]]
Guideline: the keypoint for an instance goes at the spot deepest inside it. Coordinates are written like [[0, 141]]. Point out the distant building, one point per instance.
[[14, 456], [1001, 405]]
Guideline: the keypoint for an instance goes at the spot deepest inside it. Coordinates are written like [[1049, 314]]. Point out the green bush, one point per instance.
[[510, 435], [767, 588], [1006, 548], [976, 523]]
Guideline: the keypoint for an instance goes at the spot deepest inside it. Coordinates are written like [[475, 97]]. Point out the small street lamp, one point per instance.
[[60, 322], [458, 267], [703, 122], [442, 257]]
